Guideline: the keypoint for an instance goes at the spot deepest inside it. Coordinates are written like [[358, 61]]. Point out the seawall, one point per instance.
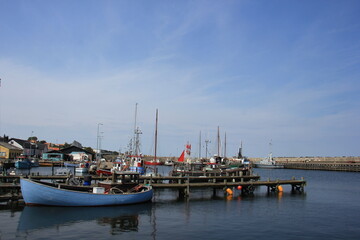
[[349, 164]]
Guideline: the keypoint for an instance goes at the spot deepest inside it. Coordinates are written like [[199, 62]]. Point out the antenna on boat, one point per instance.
[[156, 130]]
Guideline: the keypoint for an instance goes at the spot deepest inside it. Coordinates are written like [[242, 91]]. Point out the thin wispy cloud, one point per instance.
[[285, 71]]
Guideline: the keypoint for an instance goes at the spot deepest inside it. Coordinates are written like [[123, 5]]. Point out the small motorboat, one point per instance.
[[23, 163], [169, 162]]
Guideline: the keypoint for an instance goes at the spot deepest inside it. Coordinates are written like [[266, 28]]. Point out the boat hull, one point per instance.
[[140, 170], [23, 165], [81, 170], [153, 163], [105, 172], [38, 194], [268, 166]]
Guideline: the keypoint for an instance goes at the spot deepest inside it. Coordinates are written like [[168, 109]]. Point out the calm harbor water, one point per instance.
[[329, 209]]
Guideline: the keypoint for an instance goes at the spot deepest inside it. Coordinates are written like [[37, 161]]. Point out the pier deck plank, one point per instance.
[[228, 184]]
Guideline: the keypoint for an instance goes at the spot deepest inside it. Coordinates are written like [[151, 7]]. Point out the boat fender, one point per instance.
[[280, 188], [239, 187], [229, 191], [137, 188]]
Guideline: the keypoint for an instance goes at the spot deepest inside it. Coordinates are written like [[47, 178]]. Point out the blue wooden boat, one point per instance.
[[23, 163], [124, 188]]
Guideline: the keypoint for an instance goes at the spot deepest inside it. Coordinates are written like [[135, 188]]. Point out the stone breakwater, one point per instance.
[[313, 159], [350, 164]]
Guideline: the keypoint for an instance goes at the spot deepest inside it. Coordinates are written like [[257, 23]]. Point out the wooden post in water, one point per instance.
[[188, 188]]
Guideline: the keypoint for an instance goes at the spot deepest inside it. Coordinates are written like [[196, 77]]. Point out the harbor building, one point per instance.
[[8, 151]]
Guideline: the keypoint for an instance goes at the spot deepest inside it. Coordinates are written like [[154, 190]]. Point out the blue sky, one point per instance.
[[286, 71]]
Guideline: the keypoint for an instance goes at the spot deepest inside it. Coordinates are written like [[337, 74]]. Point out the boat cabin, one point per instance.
[[121, 180]]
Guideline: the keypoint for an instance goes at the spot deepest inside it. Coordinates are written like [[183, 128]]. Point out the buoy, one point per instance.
[[229, 191], [280, 188], [239, 187]]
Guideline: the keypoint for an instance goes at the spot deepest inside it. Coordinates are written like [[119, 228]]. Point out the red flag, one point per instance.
[[182, 157], [188, 149]]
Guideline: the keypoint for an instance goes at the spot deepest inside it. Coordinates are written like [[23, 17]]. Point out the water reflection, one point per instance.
[[126, 223], [120, 218]]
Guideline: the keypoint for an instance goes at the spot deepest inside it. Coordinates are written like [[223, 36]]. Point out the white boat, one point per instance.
[[169, 162], [82, 168], [268, 162]]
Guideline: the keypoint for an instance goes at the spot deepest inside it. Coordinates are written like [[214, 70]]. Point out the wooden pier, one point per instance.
[[246, 187], [184, 185]]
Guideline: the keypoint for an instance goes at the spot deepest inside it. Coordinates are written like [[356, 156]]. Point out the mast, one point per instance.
[[218, 141], [240, 151], [225, 147], [156, 126], [200, 145], [137, 132], [134, 141], [207, 141]]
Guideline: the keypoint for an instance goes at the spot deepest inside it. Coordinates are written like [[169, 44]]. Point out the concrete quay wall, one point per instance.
[[313, 159], [349, 164]]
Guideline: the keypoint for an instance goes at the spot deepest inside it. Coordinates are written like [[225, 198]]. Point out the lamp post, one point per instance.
[[97, 142]]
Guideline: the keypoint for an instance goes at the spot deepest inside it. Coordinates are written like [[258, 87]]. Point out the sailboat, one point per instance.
[[216, 159], [155, 161], [183, 167]]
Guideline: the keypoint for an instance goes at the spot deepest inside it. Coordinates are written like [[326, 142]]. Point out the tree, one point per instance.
[[66, 145], [32, 139], [89, 149]]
